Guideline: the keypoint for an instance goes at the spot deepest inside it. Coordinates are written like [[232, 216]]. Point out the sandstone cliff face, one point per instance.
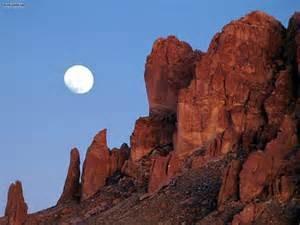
[[16, 208], [169, 67], [150, 133], [72, 184], [233, 93], [159, 173]]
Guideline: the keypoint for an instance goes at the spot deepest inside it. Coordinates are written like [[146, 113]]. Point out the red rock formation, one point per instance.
[[72, 184], [230, 186], [16, 208], [150, 133], [118, 158], [232, 85], [169, 67], [284, 188], [175, 165], [261, 168], [248, 215], [96, 167], [240, 97], [254, 175], [159, 173], [129, 168], [263, 213], [163, 169], [101, 163]]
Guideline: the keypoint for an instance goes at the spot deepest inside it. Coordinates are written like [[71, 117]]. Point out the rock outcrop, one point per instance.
[[262, 167], [16, 208], [248, 215], [163, 169], [151, 133], [232, 94], [96, 167], [230, 185], [159, 173], [71, 190], [118, 158], [169, 67], [101, 163]]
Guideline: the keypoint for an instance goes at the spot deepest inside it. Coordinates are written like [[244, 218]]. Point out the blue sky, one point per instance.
[[41, 120]]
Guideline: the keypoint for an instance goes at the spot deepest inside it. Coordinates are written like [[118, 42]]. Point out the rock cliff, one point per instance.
[[220, 144]]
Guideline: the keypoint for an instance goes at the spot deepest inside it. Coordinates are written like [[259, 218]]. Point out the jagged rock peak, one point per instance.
[[169, 67], [16, 208], [259, 18], [100, 137], [96, 166], [71, 190], [101, 163]]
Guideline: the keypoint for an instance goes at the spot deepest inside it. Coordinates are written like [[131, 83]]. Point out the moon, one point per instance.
[[79, 79]]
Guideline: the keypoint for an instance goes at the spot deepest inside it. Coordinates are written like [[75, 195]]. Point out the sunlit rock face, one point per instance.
[[101, 163], [16, 208], [96, 167], [169, 67], [241, 89], [150, 133]]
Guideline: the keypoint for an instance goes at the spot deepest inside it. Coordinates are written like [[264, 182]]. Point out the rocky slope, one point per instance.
[[220, 144]]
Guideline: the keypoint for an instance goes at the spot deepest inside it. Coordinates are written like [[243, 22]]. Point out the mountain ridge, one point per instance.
[[220, 144]]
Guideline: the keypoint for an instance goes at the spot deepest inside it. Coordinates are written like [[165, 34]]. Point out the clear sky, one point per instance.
[[41, 120]]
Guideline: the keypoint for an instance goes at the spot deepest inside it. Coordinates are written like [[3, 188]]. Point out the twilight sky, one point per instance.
[[41, 120]]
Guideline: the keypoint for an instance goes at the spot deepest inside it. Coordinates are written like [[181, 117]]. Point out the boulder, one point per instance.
[[16, 208], [71, 190]]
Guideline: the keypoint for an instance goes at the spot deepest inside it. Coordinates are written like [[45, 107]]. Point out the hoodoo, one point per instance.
[[72, 184], [16, 208]]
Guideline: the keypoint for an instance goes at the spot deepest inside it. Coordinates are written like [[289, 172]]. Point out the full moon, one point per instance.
[[79, 79]]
